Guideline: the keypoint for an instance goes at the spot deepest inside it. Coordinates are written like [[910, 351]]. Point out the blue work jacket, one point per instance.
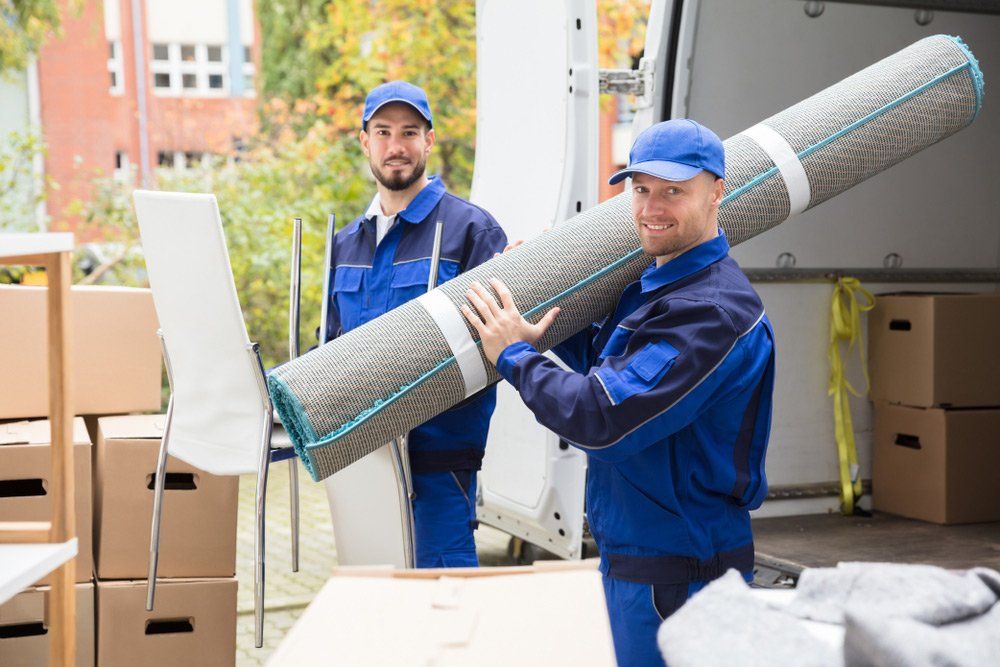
[[368, 281], [671, 402]]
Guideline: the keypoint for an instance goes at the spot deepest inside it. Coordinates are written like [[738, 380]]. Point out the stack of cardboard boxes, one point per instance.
[[25, 470], [116, 365], [194, 615], [935, 372]]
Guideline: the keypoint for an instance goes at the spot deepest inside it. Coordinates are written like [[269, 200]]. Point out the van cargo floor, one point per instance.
[[790, 544]]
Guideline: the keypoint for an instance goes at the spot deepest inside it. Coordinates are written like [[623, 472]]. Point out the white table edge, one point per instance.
[[43, 559], [15, 245]]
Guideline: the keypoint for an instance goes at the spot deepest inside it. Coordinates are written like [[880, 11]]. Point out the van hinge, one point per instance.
[[638, 82]]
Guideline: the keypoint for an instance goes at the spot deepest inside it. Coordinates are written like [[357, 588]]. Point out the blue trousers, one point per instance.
[[444, 516], [636, 612]]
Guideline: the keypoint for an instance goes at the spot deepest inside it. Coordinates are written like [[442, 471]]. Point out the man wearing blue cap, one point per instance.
[[380, 261], [671, 394]]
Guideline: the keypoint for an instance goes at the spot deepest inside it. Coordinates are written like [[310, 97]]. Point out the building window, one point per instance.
[[164, 158], [193, 70], [115, 69], [123, 168], [193, 159], [182, 160], [249, 72]]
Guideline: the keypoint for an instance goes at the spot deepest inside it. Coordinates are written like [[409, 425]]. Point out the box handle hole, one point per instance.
[[908, 441], [168, 626], [23, 630], [19, 488], [174, 481], [900, 325]]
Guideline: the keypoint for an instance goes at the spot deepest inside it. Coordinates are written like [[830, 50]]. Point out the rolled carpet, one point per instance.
[[347, 398]]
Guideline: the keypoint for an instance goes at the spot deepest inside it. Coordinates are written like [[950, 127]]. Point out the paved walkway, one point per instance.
[[287, 593]]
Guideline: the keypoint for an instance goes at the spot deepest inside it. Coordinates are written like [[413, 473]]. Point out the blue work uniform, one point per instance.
[[369, 279], [671, 401]]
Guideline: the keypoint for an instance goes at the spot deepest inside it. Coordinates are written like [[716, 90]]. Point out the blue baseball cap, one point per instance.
[[396, 91], [675, 150]]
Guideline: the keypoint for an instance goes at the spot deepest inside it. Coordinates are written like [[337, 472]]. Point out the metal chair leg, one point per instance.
[[258, 556], [260, 505], [401, 466], [154, 532], [293, 492]]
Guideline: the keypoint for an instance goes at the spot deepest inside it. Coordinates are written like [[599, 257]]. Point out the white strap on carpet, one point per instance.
[[787, 162], [452, 324]]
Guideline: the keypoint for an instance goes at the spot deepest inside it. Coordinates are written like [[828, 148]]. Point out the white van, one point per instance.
[[930, 223]]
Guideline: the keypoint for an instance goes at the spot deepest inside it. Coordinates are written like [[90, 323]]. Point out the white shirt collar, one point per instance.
[[375, 208]]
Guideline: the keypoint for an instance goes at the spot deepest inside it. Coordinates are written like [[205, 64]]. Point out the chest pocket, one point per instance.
[[644, 371], [409, 279], [347, 282]]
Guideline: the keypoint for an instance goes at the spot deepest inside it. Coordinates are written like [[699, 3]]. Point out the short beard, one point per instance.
[[399, 182]]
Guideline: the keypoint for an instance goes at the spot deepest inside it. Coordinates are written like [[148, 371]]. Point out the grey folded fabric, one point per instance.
[[893, 615], [919, 592], [872, 640], [724, 624], [898, 615], [945, 619]]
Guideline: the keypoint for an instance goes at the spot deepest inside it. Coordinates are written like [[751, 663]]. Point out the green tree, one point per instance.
[[306, 161], [280, 177], [287, 69], [24, 27], [353, 45], [431, 43], [19, 191], [19, 194]]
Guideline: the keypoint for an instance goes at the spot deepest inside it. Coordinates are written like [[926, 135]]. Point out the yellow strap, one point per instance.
[[845, 327]]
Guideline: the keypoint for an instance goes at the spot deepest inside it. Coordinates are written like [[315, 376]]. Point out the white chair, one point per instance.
[[220, 416], [371, 499]]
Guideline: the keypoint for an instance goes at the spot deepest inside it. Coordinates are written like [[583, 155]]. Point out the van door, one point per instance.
[[536, 166], [732, 63]]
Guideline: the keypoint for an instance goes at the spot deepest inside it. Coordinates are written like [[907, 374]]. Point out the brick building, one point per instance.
[[136, 84], [194, 97]]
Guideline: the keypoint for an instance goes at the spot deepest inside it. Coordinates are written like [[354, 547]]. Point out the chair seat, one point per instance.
[[280, 438]]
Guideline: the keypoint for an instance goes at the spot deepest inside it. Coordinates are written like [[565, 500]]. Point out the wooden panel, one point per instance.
[[24, 532], [26, 260], [63, 604]]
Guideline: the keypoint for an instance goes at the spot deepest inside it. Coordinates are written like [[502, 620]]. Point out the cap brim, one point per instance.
[[394, 100], [668, 171]]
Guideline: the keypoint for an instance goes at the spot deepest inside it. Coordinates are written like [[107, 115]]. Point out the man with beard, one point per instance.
[[380, 261], [670, 396]]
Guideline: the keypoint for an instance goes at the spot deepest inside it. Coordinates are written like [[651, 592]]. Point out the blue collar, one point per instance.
[[420, 207], [682, 266]]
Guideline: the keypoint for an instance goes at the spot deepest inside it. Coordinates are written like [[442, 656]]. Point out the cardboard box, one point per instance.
[[115, 357], [935, 350], [198, 528], [24, 632], [194, 623], [25, 473], [536, 616], [937, 465]]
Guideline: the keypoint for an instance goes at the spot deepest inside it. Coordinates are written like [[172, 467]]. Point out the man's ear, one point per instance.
[[429, 139], [363, 138], [720, 192]]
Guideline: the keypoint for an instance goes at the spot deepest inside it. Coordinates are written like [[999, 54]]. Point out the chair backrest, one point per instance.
[[218, 413]]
